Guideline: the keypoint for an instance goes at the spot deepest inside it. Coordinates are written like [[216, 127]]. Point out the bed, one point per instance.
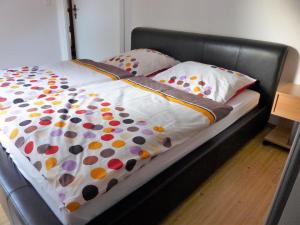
[[180, 173]]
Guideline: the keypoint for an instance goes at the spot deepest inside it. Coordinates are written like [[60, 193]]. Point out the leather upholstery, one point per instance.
[[259, 59]]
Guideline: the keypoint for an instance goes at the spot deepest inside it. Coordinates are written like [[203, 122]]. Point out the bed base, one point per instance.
[[154, 200]]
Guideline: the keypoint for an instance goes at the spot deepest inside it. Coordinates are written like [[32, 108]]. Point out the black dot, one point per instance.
[[128, 121], [130, 164], [139, 140], [18, 100], [89, 192], [76, 149], [64, 86], [63, 111], [75, 120], [111, 184], [73, 101]]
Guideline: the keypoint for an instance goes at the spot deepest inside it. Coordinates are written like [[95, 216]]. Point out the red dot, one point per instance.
[[42, 96], [107, 114], [49, 111], [45, 122], [114, 123], [52, 150], [171, 81], [50, 99], [2, 99], [80, 111], [107, 137], [53, 87], [129, 69], [33, 81], [105, 104], [29, 147], [115, 164], [88, 125]]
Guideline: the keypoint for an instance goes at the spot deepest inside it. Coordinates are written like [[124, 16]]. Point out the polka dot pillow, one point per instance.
[[206, 81], [144, 62]]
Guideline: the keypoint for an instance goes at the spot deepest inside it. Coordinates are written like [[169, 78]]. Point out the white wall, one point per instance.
[[269, 20], [29, 32]]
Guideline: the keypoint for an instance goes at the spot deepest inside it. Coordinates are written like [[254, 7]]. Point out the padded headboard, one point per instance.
[[262, 60]]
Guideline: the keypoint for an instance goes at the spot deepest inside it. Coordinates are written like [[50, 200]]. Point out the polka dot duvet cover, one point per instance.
[[86, 139]]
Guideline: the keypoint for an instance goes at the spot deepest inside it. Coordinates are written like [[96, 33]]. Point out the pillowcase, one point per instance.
[[206, 81], [144, 62]]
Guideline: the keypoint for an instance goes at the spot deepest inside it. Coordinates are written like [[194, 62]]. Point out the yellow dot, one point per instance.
[[108, 130], [193, 78], [93, 94], [60, 124], [197, 89], [14, 86], [39, 103], [162, 81], [47, 91], [50, 163], [159, 129], [14, 133], [98, 173], [95, 145], [118, 144], [105, 109], [75, 106], [56, 103], [35, 115], [73, 206], [144, 154], [3, 112]]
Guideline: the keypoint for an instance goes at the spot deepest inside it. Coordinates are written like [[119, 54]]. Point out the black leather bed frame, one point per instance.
[[150, 203]]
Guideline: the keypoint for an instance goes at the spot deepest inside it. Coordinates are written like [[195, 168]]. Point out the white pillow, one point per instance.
[[144, 62], [207, 81]]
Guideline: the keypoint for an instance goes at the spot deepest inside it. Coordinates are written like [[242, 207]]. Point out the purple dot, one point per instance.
[[182, 78], [69, 165], [135, 150], [68, 106], [89, 134], [89, 112], [62, 196], [147, 132], [118, 130], [141, 123], [56, 133]]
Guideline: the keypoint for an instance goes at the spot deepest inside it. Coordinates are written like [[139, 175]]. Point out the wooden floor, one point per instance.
[[239, 193]]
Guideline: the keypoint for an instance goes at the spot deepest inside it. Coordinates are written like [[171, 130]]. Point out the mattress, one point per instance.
[[241, 104]]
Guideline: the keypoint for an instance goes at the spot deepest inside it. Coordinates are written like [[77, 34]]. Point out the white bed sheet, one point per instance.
[[241, 104]]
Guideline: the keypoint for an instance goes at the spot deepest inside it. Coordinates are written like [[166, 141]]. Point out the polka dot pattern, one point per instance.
[[77, 139]]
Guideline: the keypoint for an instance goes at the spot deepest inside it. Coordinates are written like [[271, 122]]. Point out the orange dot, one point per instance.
[[105, 109], [159, 129], [60, 124], [162, 81], [118, 144], [50, 163], [73, 206], [108, 118], [197, 89], [98, 173], [108, 130], [193, 78], [95, 145], [144, 154]]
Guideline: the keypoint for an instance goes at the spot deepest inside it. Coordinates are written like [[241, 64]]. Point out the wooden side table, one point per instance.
[[286, 105]]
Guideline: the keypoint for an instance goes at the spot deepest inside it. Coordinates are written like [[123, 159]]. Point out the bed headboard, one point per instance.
[[262, 60]]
